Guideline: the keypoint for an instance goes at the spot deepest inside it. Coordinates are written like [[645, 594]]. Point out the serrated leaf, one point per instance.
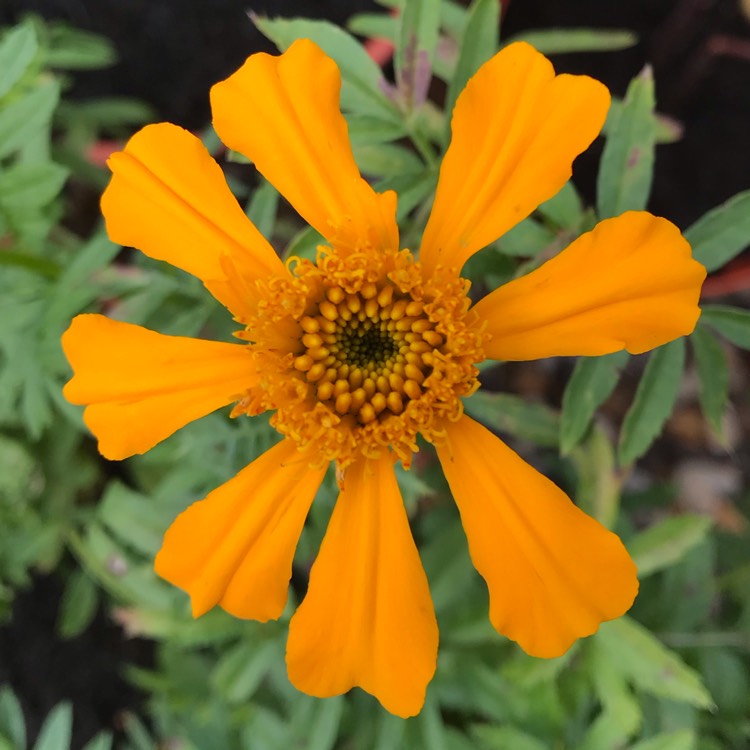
[[592, 381], [77, 606], [666, 542], [722, 233], [24, 186], [654, 399], [731, 322], [479, 42], [683, 739], [12, 722], [25, 116], [56, 731], [627, 164], [17, 49], [419, 24], [650, 665], [558, 41], [713, 376], [362, 79], [516, 416]]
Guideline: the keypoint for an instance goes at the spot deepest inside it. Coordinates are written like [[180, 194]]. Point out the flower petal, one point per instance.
[[169, 198], [140, 386], [516, 130], [283, 113], [553, 573], [367, 619], [630, 284], [235, 548]]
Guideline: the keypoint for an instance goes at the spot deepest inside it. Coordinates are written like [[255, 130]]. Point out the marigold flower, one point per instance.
[[363, 350]]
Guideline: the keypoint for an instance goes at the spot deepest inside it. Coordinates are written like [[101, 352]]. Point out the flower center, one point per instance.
[[358, 354], [367, 353]]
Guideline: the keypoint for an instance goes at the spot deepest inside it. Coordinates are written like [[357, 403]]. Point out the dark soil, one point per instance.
[[171, 51]]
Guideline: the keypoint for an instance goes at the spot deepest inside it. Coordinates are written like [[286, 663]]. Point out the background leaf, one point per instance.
[[18, 47], [713, 376], [654, 399], [627, 164]]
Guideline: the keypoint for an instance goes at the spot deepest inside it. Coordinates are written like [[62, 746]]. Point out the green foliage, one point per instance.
[[648, 682]]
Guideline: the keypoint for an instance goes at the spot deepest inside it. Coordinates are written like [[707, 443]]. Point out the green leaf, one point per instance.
[[654, 399], [241, 669], [627, 165], [565, 209], [17, 50], [73, 49], [512, 414], [682, 739], [419, 24], [713, 376], [557, 41], [56, 731], [666, 542], [592, 381], [367, 130], [650, 665], [26, 116], [385, 159], [731, 322], [478, 44], [412, 189], [526, 240], [78, 605], [102, 741], [362, 79], [31, 185], [374, 25], [722, 233], [12, 723], [263, 207], [324, 728], [106, 112], [489, 737]]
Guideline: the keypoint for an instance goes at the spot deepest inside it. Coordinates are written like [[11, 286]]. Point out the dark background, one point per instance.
[[172, 51]]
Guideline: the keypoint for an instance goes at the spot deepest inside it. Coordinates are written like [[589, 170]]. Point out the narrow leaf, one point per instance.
[[722, 233], [56, 731], [262, 208], [78, 605], [650, 665], [12, 722], [516, 416], [24, 117], [654, 399], [713, 376], [682, 739], [419, 24], [17, 49], [24, 186], [731, 322], [362, 80], [102, 741], [557, 41], [666, 542], [478, 44], [627, 165], [592, 381]]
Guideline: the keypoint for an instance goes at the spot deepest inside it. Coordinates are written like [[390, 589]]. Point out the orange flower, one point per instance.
[[365, 349]]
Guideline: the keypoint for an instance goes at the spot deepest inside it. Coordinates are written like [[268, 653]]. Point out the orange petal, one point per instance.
[[169, 198], [140, 386], [367, 619], [283, 113], [235, 548], [630, 284], [516, 130], [553, 573]]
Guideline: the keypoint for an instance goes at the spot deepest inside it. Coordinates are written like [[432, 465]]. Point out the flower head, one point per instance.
[[365, 349]]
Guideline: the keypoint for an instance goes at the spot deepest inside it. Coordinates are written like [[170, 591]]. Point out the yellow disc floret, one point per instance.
[[358, 353]]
